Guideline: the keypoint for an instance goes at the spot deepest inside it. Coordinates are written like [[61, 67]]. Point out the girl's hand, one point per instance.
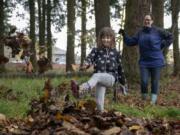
[[124, 89]]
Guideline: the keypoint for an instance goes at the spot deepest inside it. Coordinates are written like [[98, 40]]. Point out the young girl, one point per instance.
[[107, 67]]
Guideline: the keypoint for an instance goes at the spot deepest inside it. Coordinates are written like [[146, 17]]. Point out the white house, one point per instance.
[[58, 55]]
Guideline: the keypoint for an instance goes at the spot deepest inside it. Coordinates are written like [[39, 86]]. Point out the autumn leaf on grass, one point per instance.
[[86, 105], [2, 118], [112, 131], [29, 120], [47, 90], [75, 67], [135, 127], [68, 118], [90, 105], [62, 88], [80, 104], [46, 94]]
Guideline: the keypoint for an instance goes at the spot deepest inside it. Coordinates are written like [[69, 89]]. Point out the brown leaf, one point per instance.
[[2, 118], [73, 129], [111, 131], [135, 128]]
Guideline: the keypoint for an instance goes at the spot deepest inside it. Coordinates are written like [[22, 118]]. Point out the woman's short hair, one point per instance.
[[151, 15]]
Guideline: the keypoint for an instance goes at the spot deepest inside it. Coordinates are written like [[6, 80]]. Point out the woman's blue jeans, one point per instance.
[[154, 74]]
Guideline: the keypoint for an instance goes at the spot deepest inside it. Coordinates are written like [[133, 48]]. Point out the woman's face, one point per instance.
[[106, 41], [148, 21]]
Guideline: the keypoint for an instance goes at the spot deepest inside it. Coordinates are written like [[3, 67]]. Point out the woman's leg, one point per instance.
[[100, 94], [144, 74], [155, 76]]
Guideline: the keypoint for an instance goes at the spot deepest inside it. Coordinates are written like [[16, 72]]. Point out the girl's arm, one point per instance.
[[90, 59]]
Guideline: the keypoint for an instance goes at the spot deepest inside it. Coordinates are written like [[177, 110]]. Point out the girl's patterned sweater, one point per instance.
[[107, 60]]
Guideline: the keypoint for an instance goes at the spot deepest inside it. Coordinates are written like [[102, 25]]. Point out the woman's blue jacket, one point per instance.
[[151, 42]]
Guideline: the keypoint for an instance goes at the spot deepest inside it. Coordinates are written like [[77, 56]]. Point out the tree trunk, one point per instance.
[[158, 7], [158, 12], [32, 33], [49, 34], [43, 21], [83, 33], [102, 14], [2, 66], [40, 21], [175, 6], [70, 35], [135, 12]]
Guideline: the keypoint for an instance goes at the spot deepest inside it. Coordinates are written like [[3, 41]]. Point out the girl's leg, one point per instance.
[[101, 81], [104, 79], [144, 74], [155, 76], [100, 94]]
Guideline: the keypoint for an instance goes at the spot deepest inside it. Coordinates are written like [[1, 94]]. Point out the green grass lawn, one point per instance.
[[17, 93]]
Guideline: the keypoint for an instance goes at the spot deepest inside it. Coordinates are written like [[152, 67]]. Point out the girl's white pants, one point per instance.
[[100, 81]]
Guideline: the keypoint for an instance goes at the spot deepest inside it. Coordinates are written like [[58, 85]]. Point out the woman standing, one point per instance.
[[151, 41]]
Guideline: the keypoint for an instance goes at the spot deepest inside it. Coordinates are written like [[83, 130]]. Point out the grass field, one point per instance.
[[17, 93]]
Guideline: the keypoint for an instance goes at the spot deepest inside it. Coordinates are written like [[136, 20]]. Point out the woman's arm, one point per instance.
[[167, 38], [129, 41]]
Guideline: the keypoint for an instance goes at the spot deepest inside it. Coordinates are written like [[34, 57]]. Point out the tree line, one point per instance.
[[43, 14]]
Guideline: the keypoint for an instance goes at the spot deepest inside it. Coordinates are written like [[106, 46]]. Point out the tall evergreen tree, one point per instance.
[[158, 7], [41, 22], [135, 12], [39, 3], [70, 34], [49, 34], [2, 67], [84, 31], [32, 32], [102, 14], [158, 12], [175, 7], [44, 21]]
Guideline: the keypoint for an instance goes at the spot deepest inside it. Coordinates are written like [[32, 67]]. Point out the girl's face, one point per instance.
[[106, 41]]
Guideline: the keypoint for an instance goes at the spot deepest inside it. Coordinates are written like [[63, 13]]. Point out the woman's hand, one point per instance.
[[121, 32]]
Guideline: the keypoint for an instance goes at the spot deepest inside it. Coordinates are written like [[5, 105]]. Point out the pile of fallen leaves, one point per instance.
[[55, 114]]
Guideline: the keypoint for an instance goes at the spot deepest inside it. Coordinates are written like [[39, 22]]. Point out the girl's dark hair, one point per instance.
[[106, 31]]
